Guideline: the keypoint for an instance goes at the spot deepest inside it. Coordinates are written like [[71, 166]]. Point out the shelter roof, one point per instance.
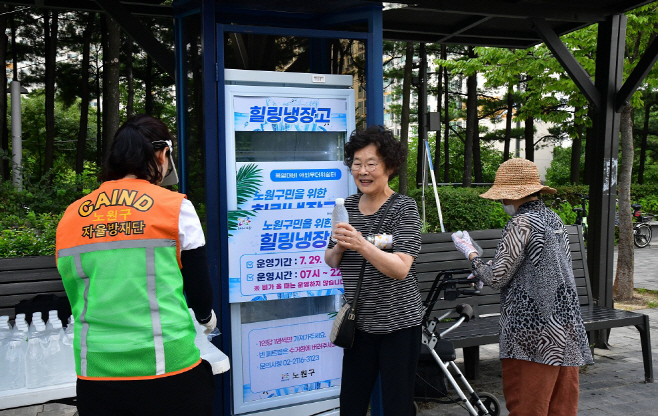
[[502, 23]]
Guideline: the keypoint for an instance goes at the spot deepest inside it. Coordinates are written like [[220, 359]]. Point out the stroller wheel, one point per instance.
[[490, 403]]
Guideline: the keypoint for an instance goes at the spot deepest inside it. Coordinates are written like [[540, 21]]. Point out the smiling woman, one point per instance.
[[387, 339]]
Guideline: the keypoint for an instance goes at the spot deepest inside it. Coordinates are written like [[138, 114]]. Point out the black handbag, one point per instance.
[[344, 326]]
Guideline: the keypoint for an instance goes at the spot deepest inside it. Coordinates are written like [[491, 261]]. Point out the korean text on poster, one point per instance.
[[287, 356], [281, 231]]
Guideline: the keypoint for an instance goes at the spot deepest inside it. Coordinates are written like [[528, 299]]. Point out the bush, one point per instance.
[[29, 218], [462, 209], [31, 235]]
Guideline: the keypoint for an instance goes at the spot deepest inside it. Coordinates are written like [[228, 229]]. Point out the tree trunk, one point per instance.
[[437, 141], [148, 86], [129, 77], [421, 111], [50, 32], [623, 286], [477, 159], [576, 147], [404, 118], [643, 146], [471, 114], [530, 138], [99, 123], [446, 120], [508, 120], [590, 141], [111, 83], [101, 90], [4, 133], [84, 95]]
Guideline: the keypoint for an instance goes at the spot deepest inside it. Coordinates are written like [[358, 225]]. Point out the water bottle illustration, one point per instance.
[[339, 214]]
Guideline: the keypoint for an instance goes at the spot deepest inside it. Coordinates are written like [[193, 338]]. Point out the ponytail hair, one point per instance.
[[133, 151]]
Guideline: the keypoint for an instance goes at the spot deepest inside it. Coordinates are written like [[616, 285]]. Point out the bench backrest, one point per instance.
[[438, 254], [25, 277]]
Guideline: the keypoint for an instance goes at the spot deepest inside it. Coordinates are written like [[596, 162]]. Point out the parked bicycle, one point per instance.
[[641, 228], [581, 213]]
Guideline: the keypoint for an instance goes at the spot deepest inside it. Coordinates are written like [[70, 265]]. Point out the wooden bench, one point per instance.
[[439, 254], [23, 278]]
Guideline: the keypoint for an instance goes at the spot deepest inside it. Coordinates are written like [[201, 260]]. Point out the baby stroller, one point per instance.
[[443, 350]]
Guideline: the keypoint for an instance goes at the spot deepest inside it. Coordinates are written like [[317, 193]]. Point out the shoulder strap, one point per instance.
[[363, 265]]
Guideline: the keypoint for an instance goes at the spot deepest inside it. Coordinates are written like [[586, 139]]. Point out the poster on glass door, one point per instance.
[[288, 356], [281, 228]]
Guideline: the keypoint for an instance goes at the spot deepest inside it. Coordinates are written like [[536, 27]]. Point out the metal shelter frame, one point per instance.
[[502, 23], [215, 22]]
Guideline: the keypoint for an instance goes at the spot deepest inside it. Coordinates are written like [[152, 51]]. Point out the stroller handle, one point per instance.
[[465, 311]]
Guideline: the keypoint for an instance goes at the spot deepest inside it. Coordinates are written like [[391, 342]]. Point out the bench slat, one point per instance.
[[33, 288], [31, 275], [23, 263], [12, 300]]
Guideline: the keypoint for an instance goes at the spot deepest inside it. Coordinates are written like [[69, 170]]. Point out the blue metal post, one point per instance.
[[213, 216], [375, 69], [375, 115], [223, 216], [181, 104]]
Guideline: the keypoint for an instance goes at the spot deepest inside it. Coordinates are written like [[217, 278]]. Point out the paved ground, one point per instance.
[[613, 385]]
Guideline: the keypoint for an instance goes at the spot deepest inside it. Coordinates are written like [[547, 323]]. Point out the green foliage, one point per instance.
[[462, 209], [559, 173], [28, 218], [29, 235]]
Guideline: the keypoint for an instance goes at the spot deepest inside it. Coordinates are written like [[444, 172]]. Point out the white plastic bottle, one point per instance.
[[67, 351], [20, 319], [13, 357], [52, 317], [339, 214], [36, 319], [36, 368], [4, 322], [56, 358]]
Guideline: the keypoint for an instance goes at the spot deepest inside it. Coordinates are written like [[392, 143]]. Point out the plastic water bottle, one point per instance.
[[4, 322], [36, 368], [67, 351], [339, 214], [55, 356], [20, 319], [476, 246], [52, 318], [12, 360], [36, 319], [201, 340], [5, 336]]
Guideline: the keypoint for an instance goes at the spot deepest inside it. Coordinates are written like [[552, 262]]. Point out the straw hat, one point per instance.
[[516, 179]]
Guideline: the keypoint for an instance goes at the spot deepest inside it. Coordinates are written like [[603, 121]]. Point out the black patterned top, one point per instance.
[[540, 317], [385, 304]]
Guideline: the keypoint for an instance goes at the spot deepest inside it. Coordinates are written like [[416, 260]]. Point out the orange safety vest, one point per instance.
[[118, 253]]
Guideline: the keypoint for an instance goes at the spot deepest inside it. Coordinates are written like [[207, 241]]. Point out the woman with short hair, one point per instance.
[[389, 311]]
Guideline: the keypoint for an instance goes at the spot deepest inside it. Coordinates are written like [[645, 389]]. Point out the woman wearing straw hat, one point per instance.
[[542, 337]]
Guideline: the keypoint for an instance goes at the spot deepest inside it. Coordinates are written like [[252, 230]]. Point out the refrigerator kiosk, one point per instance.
[[285, 140]]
